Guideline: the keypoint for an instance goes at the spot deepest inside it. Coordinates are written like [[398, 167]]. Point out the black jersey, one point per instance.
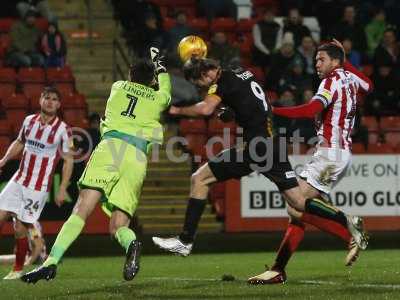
[[240, 91]]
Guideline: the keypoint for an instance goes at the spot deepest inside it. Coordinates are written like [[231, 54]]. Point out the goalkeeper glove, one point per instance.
[[157, 60]]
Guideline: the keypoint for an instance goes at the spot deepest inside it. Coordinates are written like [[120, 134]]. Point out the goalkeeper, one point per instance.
[[117, 167]]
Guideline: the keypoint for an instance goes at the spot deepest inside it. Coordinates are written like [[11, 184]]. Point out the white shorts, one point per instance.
[[326, 168], [27, 204]]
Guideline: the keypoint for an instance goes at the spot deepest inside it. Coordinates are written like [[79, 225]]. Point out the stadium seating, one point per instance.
[[391, 123], [33, 90], [223, 24], [216, 127], [8, 75], [31, 75], [65, 88], [5, 128], [59, 75], [187, 126], [245, 25], [15, 101], [380, 148], [195, 143], [358, 148], [15, 117], [4, 143], [200, 24], [73, 101], [217, 198], [5, 24], [74, 117], [392, 138]]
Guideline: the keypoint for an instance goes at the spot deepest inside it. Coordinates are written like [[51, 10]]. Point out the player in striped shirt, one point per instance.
[[335, 104], [43, 139]]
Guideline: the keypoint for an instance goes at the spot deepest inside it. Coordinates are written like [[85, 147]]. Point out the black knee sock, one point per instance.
[[320, 208], [194, 211]]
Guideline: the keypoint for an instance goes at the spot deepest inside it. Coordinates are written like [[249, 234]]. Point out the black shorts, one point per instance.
[[267, 156]]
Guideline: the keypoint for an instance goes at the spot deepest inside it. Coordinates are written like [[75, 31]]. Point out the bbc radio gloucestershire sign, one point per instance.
[[371, 187]]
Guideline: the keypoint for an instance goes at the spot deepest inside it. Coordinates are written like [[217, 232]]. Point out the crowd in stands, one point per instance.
[[32, 56], [277, 41]]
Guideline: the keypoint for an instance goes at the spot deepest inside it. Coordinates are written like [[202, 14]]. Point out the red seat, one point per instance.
[[6, 24], [272, 96], [200, 24], [5, 128], [392, 138], [196, 143], [15, 117], [59, 75], [258, 74], [223, 24], [4, 144], [187, 126], [245, 25], [42, 24], [74, 101], [175, 3], [368, 70], [217, 197], [391, 123], [29, 75], [15, 101], [246, 44], [33, 90], [169, 23], [358, 148], [65, 88], [5, 42], [74, 116], [217, 127], [8, 75], [217, 143], [380, 148], [6, 90], [373, 137], [370, 122]]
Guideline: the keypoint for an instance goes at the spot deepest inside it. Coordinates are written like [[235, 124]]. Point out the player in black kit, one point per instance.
[[238, 90]]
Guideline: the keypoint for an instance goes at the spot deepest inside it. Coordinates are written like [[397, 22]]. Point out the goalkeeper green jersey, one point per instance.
[[136, 109]]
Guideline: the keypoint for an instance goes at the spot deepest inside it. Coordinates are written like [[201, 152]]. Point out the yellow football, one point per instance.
[[192, 46]]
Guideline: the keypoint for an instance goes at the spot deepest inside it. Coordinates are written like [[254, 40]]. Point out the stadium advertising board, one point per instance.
[[371, 187]]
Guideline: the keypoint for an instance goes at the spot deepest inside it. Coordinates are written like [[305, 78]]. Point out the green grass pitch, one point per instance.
[[311, 275]]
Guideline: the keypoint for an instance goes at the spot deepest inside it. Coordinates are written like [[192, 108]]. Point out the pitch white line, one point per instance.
[[361, 285]]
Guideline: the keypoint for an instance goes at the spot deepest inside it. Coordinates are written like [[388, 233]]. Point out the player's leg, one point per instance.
[[119, 229], [227, 164], [200, 182], [71, 229], [21, 244]]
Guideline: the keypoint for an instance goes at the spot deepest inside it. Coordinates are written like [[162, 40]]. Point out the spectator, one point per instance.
[[150, 36], [352, 55], [132, 14], [220, 49], [307, 50], [306, 127], [359, 134], [327, 13], [388, 51], [38, 6], [24, 40], [281, 61], [217, 8], [294, 24], [375, 30], [179, 31], [296, 79], [266, 35], [349, 28], [385, 99], [284, 126], [54, 47]]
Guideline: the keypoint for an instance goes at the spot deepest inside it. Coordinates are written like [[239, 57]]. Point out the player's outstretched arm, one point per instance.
[[203, 108], [13, 151], [308, 110]]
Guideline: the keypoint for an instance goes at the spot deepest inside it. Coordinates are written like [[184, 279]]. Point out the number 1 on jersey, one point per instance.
[[132, 103]]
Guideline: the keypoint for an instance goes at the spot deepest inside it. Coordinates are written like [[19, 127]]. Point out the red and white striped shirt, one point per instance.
[[338, 93], [44, 144]]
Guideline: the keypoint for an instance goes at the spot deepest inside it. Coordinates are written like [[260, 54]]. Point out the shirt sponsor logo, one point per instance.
[[290, 174], [35, 144]]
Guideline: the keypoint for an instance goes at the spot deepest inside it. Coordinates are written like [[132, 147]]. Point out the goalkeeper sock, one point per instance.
[[193, 214], [291, 241], [125, 236], [327, 226], [68, 233], [324, 210]]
